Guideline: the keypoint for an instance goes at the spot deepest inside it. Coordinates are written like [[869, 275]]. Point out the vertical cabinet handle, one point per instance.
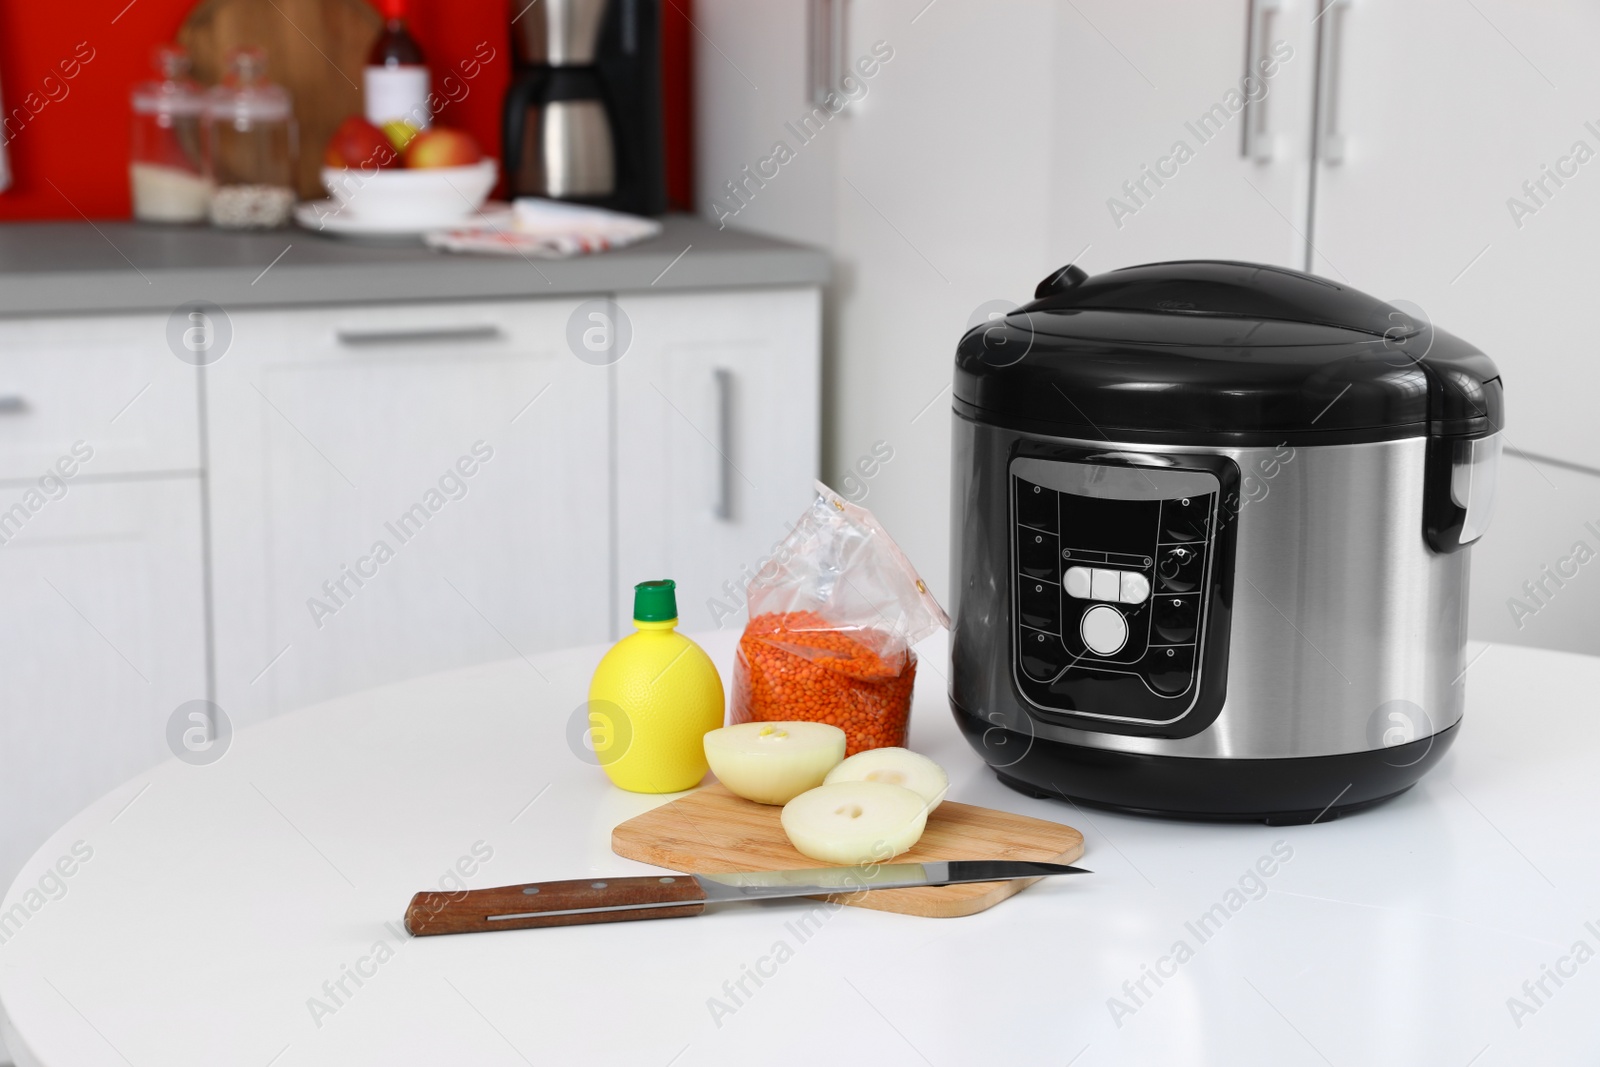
[[1330, 140], [1258, 143], [825, 33], [722, 504]]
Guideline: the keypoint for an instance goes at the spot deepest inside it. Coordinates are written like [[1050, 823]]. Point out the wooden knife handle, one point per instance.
[[469, 911]]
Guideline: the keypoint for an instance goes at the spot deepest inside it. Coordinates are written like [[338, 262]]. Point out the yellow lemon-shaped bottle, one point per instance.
[[653, 699]]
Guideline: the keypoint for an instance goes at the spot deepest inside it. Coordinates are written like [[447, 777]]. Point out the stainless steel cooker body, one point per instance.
[[1331, 627], [1210, 545]]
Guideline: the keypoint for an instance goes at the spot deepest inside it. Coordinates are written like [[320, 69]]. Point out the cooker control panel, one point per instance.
[[1114, 584]]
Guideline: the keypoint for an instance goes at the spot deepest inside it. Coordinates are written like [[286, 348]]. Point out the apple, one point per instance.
[[400, 133], [358, 144], [442, 146]]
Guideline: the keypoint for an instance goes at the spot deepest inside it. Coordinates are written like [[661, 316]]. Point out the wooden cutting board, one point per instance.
[[711, 831], [315, 48]]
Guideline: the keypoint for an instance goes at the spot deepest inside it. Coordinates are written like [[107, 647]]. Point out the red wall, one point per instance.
[[677, 101], [79, 140]]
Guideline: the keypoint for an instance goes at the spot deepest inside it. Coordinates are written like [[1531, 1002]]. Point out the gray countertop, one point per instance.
[[72, 267]]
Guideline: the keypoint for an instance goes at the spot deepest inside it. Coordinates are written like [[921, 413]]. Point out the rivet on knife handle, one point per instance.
[[568, 903]]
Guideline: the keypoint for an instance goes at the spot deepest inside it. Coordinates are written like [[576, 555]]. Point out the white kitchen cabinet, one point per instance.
[[750, 83], [109, 381], [1431, 152], [988, 131], [511, 484], [717, 442], [1461, 181], [998, 148], [1531, 582], [462, 431], [1159, 148], [992, 151], [986, 148], [1446, 112], [104, 638], [350, 544]]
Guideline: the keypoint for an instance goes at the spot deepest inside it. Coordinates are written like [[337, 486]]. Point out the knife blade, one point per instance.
[[600, 900]]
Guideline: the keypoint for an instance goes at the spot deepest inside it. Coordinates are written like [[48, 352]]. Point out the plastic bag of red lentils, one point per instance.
[[833, 615]]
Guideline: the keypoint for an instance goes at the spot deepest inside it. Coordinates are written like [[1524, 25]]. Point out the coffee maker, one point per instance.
[[583, 113]]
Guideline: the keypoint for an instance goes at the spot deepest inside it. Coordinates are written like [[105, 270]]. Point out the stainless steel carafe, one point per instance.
[[560, 139]]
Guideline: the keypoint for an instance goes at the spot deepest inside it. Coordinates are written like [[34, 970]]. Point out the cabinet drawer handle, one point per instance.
[[722, 508], [13, 404], [421, 334]]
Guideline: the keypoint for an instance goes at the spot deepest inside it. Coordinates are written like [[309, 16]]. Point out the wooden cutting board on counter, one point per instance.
[[711, 831], [315, 48]]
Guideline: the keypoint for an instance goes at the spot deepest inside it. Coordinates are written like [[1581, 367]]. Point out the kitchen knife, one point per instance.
[[606, 900]]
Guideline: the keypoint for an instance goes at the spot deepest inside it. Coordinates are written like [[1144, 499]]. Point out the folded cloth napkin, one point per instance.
[[545, 228]]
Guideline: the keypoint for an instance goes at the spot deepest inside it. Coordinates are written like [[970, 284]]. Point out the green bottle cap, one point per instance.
[[655, 601]]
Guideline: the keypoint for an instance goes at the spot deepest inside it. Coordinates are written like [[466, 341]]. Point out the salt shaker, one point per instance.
[[253, 142], [167, 170]]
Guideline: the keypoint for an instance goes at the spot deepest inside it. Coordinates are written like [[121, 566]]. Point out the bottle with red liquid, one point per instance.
[[396, 78]]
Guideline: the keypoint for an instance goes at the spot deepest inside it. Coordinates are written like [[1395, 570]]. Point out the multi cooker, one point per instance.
[[1210, 540]]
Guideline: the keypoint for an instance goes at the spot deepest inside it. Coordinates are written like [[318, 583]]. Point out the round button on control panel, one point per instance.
[[1104, 629]]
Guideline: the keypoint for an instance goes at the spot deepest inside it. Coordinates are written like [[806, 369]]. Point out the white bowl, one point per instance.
[[420, 198]]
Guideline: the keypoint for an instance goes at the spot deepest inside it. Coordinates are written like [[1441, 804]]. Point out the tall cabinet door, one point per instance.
[[1465, 178], [103, 631], [1469, 184], [1001, 142], [1176, 130], [399, 490], [717, 442], [751, 93]]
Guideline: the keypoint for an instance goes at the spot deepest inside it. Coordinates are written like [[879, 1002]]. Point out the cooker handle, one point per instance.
[[1460, 479]]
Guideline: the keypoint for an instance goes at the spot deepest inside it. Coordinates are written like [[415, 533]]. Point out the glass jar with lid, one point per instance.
[[167, 169], [253, 142]]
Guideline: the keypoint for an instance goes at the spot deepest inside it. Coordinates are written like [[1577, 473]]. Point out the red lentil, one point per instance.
[[794, 665]]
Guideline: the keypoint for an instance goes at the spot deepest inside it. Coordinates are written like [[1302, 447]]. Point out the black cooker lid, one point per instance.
[[1213, 352]]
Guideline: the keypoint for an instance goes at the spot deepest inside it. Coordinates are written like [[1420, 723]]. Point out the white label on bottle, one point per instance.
[[398, 93]]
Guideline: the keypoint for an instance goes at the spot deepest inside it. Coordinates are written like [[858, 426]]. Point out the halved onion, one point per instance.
[[854, 822], [773, 762], [896, 766]]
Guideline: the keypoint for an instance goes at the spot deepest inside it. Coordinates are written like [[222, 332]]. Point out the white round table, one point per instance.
[[247, 912]]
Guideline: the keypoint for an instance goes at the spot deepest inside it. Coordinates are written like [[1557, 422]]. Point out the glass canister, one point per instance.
[[252, 142], [167, 170]]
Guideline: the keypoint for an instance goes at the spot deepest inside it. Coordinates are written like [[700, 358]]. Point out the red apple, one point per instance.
[[358, 144], [442, 146]]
